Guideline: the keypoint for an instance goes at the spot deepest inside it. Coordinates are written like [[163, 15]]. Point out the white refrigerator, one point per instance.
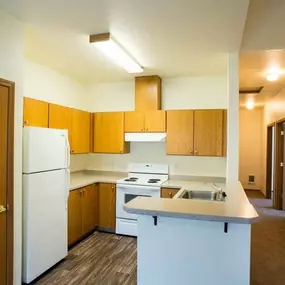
[[46, 183]]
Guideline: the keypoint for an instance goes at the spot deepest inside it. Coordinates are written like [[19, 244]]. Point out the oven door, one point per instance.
[[126, 193]]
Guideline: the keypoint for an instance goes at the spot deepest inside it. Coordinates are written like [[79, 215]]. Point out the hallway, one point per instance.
[[268, 243]]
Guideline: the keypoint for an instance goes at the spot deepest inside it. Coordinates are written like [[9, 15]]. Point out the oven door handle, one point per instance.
[[137, 187]]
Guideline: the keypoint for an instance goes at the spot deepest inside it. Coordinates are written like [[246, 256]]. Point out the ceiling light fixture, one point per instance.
[[249, 104], [272, 76], [111, 48]]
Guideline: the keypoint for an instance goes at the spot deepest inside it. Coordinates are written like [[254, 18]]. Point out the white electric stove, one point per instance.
[[143, 180]]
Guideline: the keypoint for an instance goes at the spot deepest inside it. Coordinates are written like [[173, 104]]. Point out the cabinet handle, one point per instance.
[[170, 195], [26, 122], [146, 129], [142, 130], [191, 151], [121, 151], [196, 152]]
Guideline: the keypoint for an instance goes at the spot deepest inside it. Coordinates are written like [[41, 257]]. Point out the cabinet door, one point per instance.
[[89, 203], [35, 113], [155, 121], [80, 141], [225, 133], [180, 132], [74, 216], [148, 93], [60, 118], [168, 192], [109, 136], [134, 122], [208, 132], [107, 206]]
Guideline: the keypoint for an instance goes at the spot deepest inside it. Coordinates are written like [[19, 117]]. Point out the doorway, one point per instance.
[[6, 180], [279, 177], [270, 159]]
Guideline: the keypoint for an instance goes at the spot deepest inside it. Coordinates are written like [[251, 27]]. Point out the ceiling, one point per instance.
[[254, 66], [264, 26], [168, 38]]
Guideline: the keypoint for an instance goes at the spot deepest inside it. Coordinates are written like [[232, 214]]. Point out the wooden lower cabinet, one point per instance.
[[82, 212], [168, 192], [107, 206], [74, 216]]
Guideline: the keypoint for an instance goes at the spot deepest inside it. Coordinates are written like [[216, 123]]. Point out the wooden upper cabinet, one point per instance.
[[107, 206], [109, 134], [180, 132], [145, 121], [208, 132], [148, 93], [60, 118], [134, 122], [89, 204], [225, 134], [80, 132], [35, 113], [155, 121], [74, 216]]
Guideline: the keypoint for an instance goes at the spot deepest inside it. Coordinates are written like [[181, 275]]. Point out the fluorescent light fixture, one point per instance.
[[112, 49], [249, 104]]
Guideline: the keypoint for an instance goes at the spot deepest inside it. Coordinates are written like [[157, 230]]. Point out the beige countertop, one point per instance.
[[235, 209], [83, 178]]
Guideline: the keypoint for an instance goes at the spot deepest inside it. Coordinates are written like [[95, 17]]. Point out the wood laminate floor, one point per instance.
[[101, 259]]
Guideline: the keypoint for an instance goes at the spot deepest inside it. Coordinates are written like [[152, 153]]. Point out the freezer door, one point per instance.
[[44, 221], [45, 149]]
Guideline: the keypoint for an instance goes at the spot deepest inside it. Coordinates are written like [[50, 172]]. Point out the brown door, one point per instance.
[[4, 97], [107, 206], [283, 168]]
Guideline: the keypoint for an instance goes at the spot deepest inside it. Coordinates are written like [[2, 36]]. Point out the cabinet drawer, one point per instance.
[[168, 192]]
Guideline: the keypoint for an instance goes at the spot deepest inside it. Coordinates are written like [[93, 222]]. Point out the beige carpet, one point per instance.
[[268, 243]]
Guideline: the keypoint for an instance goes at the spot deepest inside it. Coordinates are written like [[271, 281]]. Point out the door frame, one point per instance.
[[278, 176], [10, 180], [269, 159]]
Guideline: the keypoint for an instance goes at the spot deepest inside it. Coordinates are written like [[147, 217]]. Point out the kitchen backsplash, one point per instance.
[[153, 152]]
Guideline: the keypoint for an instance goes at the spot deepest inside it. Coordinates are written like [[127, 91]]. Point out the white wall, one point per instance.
[[250, 147], [43, 83], [177, 93], [11, 63]]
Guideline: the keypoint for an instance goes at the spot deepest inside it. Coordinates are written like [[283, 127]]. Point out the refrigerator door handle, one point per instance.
[[67, 151], [67, 173]]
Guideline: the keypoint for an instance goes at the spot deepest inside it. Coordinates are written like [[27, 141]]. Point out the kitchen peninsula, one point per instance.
[[184, 241]]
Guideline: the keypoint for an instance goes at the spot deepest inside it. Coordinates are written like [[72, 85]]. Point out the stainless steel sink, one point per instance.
[[202, 195]]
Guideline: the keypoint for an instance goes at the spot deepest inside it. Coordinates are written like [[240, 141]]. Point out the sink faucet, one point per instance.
[[220, 194]]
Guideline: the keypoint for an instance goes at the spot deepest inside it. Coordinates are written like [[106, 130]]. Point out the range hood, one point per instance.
[[145, 137]]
